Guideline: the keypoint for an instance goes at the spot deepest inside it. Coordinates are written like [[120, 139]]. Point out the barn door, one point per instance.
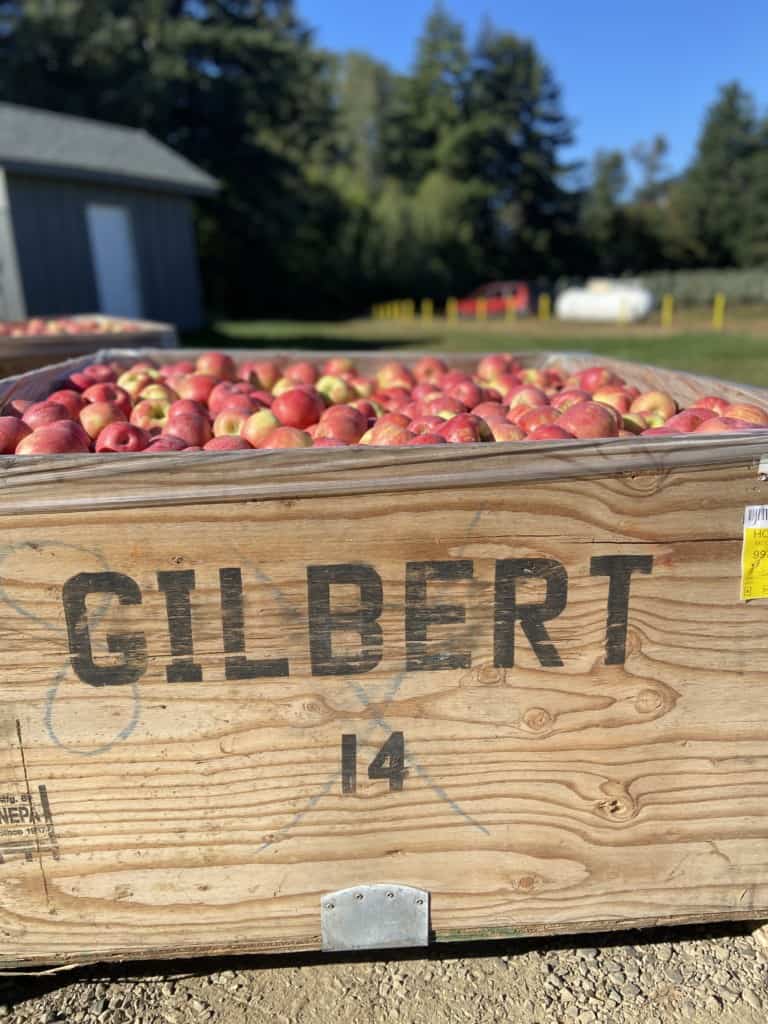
[[114, 260]]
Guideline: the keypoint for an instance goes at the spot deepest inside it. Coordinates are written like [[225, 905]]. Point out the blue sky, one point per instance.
[[627, 69]]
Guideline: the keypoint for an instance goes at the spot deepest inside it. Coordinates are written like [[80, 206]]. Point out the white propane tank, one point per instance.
[[605, 301]]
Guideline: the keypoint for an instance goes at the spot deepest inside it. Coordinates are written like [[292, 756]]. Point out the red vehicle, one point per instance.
[[500, 298]]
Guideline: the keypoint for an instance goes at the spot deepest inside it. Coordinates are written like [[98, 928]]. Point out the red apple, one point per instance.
[[302, 373], [216, 364], [429, 368], [572, 396], [287, 437], [195, 430], [394, 375], [224, 390], [593, 379], [262, 373], [40, 414], [445, 407], [490, 410], [60, 438], [465, 428], [552, 432], [541, 416], [724, 425], [109, 393], [166, 443], [122, 437], [337, 365], [613, 396], [12, 431], [688, 420], [298, 408], [226, 443], [426, 424], [467, 392], [197, 387], [589, 419], [186, 407], [493, 366], [342, 423], [426, 438], [73, 401], [525, 394]]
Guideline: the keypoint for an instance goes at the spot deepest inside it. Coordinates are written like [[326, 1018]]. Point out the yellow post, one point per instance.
[[427, 309], [408, 309], [544, 306], [667, 309], [510, 312], [451, 309], [718, 312], [482, 309]]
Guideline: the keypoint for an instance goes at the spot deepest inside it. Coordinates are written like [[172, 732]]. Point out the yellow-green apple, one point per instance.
[[536, 378], [40, 414], [97, 415], [335, 390], [713, 402], [158, 393], [615, 396], [122, 437], [364, 386], [226, 443], [134, 381], [589, 419], [429, 369], [298, 407], [216, 364], [656, 406], [259, 426], [504, 431], [634, 423], [12, 431], [550, 432], [60, 438], [72, 400], [229, 423], [747, 411], [151, 415], [287, 437]]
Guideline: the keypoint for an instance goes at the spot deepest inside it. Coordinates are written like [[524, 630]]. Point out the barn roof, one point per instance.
[[53, 145]]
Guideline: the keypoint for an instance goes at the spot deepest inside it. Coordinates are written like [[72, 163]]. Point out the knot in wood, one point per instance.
[[619, 806], [537, 719], [647, 702]]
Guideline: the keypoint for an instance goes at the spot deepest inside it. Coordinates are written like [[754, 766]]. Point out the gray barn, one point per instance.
[[95, 217]]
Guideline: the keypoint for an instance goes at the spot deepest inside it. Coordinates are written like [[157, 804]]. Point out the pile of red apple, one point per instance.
[[213, 404], [42, 326]]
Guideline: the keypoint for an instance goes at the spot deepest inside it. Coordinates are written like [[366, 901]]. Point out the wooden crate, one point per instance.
[[212, 665], [18, 355]]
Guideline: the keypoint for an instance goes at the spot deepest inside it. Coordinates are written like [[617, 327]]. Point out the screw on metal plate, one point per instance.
[[762, 469], [375, 917]]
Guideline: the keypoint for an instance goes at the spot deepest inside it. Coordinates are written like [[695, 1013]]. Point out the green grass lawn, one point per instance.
[[737, 354]]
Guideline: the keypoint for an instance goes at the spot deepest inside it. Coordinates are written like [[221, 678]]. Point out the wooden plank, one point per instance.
[[621, 786]]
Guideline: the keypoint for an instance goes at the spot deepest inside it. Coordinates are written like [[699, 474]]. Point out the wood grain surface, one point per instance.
[[563, 660]]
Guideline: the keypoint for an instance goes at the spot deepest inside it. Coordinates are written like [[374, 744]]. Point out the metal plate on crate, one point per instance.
[[375, 917]]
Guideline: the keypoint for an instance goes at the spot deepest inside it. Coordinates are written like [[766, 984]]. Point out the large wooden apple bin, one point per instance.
[[519, 677]]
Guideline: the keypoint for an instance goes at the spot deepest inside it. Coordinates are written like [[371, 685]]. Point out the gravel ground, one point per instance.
[[697, 974]]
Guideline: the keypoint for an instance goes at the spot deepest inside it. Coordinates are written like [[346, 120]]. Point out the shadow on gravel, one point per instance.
[[20, 988]]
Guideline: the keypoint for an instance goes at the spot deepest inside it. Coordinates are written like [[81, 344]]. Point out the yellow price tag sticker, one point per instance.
[[754, 554]]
